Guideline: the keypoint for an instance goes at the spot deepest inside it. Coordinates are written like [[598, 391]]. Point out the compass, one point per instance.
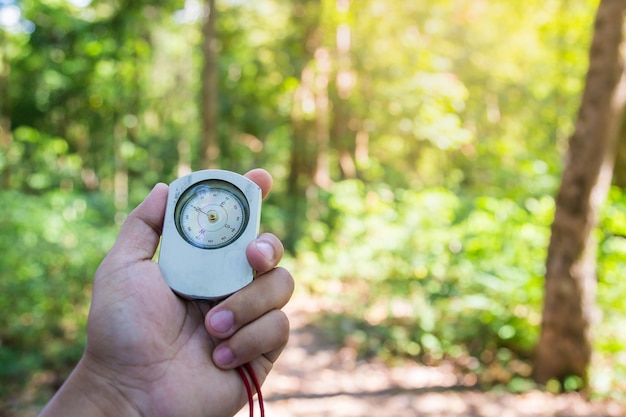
[[211, 216]]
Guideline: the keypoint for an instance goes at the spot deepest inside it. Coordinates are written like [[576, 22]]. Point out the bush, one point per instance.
[[430, 275], [51, 245]]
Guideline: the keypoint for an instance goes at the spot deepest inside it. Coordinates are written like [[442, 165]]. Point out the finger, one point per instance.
[[265, 252], [267, 292], [140, 234], [262, 178], [265, 336]]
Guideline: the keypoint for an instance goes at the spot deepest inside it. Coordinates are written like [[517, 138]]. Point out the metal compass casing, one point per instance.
[[210, 218]]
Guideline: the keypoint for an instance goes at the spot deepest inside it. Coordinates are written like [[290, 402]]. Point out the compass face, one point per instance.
[[211, 214]]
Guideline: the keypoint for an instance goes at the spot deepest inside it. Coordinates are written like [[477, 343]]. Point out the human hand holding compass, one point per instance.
[[150, 352]]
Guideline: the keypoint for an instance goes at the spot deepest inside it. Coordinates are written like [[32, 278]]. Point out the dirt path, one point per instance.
[[314, 378]]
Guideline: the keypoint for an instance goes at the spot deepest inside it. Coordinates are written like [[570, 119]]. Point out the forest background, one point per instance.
[[416, 148]]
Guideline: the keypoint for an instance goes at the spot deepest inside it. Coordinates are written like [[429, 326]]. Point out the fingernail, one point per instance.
[[222, 321], [266, 249], [223, 356]]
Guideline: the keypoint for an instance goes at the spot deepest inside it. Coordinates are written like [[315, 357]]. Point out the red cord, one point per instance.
[[249, 391], [243, 376], [257, 386]]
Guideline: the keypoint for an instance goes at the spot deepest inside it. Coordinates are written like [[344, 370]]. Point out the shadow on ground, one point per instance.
[[315, 377]]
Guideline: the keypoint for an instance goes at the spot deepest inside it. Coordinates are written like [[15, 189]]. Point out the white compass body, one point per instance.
[[210, 218]]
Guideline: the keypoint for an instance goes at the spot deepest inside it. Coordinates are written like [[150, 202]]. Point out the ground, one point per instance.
[[315, 378]]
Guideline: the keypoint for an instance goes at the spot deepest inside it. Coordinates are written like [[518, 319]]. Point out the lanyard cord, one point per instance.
[[257, 387], [242, 373], [242, 370]]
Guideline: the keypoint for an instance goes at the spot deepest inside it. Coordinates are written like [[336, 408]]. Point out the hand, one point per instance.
[[151, 353]]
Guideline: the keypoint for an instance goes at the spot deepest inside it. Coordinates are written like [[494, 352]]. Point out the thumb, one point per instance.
[[139, 237]]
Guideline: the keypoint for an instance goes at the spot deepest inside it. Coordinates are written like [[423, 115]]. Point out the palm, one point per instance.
[[166, 349]]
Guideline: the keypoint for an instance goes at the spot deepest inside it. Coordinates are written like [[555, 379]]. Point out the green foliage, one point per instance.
[[431, 273], [608, 373], [51, 245]]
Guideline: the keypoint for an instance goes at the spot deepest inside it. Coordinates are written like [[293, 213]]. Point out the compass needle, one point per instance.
[[199, 209]]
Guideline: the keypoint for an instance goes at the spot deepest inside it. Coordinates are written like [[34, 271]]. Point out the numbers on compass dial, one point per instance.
[[211, 214]]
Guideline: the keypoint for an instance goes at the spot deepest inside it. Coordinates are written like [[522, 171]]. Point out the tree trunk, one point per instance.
[[344, 82], [619, 176], [303, 160], [322, 118], [564, 347], [209, 150], [6, 137], [120, 178]]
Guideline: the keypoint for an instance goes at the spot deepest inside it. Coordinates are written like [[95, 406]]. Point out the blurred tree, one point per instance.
[[130, 31], [209, 149], [305, 117], [345, 79], [564, 348], [619, 176], [6, 137]]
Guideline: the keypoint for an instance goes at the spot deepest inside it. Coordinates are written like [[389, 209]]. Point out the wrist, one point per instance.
[[87, 393]]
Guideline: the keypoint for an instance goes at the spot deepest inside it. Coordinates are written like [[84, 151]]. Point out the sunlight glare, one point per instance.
[[81, 4]]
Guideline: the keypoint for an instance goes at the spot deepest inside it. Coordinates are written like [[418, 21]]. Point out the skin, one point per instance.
[[150, 353]]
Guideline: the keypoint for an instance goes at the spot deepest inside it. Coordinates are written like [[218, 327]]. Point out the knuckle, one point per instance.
[[282, 325], [271, 335], [253, 304], [286, 278]]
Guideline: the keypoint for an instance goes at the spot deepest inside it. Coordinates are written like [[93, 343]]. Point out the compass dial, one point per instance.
[[211, 214]]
